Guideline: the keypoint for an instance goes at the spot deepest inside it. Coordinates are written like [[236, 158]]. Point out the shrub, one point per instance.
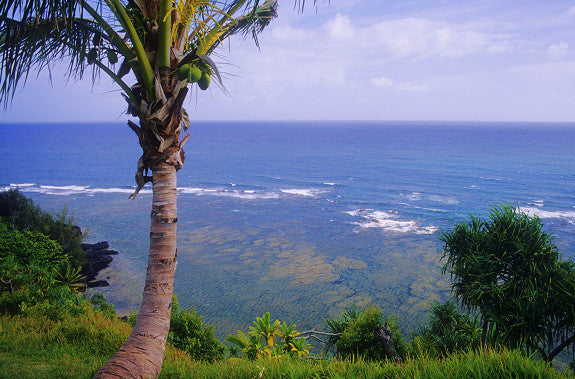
[[24, 215], [30, 248], [188, 333], [365, 334], [447, 331], [99, 303]]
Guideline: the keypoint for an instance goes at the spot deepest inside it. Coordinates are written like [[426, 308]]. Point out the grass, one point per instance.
[[76, 346]]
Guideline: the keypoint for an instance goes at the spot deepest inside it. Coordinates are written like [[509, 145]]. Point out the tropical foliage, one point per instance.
[[35, 270], [448, 330], [76, 346], [367, 335], [268, 339], [23, 214], [508, 268], [189, 333]]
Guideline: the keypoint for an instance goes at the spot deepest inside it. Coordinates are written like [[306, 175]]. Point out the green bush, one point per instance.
[[188, 333], [24, 215], [361, 337], [508, 268], [99, 303], [27, 266], [447, 331], [30, 248]]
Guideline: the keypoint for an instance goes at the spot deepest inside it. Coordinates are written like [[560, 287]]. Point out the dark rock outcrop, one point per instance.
[[98, 257]]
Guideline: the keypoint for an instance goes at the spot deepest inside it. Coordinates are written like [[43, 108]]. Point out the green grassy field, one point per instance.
[[76, 346]]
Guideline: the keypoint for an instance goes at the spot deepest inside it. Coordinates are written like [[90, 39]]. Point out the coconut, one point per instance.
[[92, 55], [194, 74], [204, 82], [112, 57], [184, 71]]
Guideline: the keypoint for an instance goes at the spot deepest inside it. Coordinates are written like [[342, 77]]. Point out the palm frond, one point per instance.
[[35, 44], [252, 23], [300, 4], [57, 11]]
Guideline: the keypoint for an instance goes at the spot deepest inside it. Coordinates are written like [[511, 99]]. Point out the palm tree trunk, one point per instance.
[[142, 354]]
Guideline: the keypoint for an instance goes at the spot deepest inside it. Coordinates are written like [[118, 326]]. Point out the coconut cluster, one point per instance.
[[193, 74]]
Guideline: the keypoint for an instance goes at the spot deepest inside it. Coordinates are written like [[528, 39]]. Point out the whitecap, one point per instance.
[[546, 214], [248, 195], [71, 189], [537, 203], [116, 190], [388, 221], [190, 190], [308, 192], [59, 190], [22, 185]]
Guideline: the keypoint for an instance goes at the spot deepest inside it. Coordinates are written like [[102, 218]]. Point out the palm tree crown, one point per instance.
[[165, 44]]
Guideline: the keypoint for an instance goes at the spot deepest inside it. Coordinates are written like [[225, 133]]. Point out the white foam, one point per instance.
[[248, 194], [190, 190], [542, 213], [69, 190], [22, 185], [57, 190], [537, 203], [117, 190], [232, 191], [389, 221], [222, 192], [309, 192]]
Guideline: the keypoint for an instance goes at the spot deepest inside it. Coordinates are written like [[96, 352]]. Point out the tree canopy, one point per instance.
[[508, 268]]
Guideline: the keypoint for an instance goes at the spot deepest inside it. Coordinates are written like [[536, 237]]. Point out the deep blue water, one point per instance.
[[300, 219]]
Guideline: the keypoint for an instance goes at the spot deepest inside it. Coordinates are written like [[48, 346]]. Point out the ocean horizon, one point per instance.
[[301, 219]]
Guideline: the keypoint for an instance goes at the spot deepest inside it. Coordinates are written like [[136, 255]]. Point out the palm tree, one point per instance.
[[166, 44]]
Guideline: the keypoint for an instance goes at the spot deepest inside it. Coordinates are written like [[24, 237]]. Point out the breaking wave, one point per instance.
[[232, 191], [389, 221], [538, 211]]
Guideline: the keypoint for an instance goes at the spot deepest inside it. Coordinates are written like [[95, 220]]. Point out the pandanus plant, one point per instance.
[[166, 45]]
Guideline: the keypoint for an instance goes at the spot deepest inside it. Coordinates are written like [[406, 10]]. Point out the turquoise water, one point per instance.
[[300, 219]]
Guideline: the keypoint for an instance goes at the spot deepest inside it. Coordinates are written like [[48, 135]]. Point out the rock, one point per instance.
[[98, 283], [95, 246], [98, 257]]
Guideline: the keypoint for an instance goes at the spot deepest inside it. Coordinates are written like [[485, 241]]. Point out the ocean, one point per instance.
[[301, 219]]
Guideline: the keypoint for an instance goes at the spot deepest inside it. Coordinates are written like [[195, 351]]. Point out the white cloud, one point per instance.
[[558, 50], [288, 33], [340, 28], [418, 38]]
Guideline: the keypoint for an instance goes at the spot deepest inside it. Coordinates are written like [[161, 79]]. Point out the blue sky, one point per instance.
[[368, 60]]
